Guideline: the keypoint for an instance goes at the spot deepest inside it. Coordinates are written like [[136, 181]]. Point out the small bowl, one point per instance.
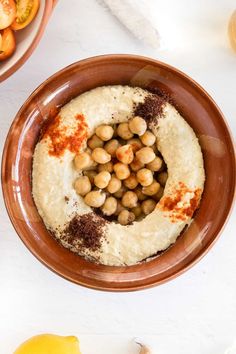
[[200, 112], [27, 40]]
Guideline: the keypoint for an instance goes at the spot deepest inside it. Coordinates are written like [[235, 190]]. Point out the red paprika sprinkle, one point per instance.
[[61, 140], [178, 213]]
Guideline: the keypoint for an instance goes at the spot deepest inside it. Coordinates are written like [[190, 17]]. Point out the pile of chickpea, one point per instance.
[[123, 173]]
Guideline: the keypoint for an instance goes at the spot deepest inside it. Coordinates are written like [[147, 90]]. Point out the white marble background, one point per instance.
[[193, 314]]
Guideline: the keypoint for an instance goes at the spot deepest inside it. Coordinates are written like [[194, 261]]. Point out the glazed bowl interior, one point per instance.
[[200, 112]]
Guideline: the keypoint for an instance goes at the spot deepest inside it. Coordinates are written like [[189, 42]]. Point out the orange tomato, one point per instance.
[[7, 13], [7, 43], [26, 11]]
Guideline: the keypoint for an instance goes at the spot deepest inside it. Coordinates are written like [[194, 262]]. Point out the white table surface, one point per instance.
[[195, 313]]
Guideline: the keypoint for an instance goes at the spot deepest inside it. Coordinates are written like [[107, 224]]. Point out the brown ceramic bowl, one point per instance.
[[27, 40], [198, 109]]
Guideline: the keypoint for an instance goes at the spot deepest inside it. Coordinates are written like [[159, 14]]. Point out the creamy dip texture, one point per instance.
[[53, 175]]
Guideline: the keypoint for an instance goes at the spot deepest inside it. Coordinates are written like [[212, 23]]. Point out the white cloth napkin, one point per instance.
[[130, 14]]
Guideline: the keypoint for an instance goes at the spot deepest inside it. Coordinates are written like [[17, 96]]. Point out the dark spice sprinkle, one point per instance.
[[85, 231], [75, 204], [162, 93], [66, 199], [150, 109], [152, 106]]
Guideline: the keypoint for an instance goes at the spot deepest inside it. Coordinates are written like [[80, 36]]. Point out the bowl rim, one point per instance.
[[49, 4], [131, 287]]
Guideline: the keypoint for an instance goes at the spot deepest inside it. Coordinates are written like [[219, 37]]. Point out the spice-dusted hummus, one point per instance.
[[75, 224]]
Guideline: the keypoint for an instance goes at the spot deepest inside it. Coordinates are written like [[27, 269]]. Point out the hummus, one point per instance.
[[53, 175]]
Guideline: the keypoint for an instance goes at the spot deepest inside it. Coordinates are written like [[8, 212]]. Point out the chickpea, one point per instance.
[[111, 147], [131, 182], [82, 185], [137, 210], [102, 179], [155, 164], [138, 125], [144, 177], [151, 189], [162, 178], [145, 155], [95, 199], [135, 143], [148, 138], [148, 206], [104, 132], [92, 167], [159, 194], [83, 160], [95, 142], [100, 155], [110, 206], [136, 165], [125, 154], [129, 199], [122, 171], [140, 194], [114, 185], [120, 192], [108, 166], [90, 174], [124, 132], [126, 217], [119, 208]]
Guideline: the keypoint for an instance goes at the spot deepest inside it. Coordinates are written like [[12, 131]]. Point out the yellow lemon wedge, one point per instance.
[[50, 344]]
